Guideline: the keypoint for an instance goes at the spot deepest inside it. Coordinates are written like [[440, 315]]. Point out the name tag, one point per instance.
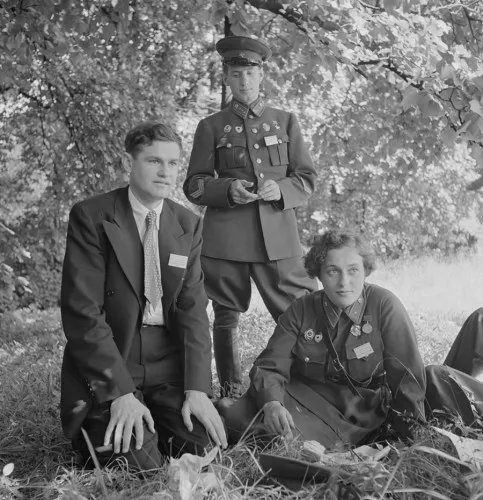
[[178, 260], [363, 351], [271, 140]]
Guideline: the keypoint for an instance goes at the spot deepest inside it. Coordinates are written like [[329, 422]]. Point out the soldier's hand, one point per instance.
[[127, 414], [278, 419], [197, 403], [239, 194], [269, 191]]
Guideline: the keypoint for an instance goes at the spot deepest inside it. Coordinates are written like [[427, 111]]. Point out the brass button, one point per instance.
[[254, 130], [307, 359], [256, 146], [251, 117], [262, 176], [280, 141], [259, 161], [228, 145]]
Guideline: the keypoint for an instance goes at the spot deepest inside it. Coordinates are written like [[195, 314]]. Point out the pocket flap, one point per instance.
[[232, 142]]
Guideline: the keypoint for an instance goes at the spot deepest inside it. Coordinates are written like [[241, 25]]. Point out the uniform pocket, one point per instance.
[[310, 359], [232, 152], [363, 369]]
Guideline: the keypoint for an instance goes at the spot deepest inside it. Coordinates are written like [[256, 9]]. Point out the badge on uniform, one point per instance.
[[363, 351], [356, 330], [270, 140], [367, 327], [239, 128], [227, 129], [318, 337], [266, 127], [309, 334], [276, 125]]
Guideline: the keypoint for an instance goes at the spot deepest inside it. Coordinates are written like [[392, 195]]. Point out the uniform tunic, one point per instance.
[[296, 370], [255, 144]]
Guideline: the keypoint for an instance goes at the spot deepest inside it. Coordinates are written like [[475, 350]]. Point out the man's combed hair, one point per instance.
[[334, 239], [146, 133]]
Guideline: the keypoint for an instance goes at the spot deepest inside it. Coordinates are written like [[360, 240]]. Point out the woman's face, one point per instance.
[[342, 275]]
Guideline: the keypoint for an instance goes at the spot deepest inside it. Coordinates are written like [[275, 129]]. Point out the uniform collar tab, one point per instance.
[[354, 311], [242, 110]]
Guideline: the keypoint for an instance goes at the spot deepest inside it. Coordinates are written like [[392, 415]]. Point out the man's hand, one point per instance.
[[269, 191], [239, 194], [278, 419], [198, 404], [127, 413]]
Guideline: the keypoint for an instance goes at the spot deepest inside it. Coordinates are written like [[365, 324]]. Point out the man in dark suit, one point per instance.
[[250, 167], [136, 373]]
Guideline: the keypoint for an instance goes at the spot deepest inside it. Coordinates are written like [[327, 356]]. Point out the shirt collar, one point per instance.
[[354, 311], [257, 107], [140, 211]]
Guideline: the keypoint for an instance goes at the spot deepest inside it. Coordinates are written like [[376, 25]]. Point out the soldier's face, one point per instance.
[[342, 275], [153, 172], [244, 82]]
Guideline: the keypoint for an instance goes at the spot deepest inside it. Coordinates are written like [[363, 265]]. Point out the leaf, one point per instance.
[[476, 106], [8, 469], [391, 5], [219, 9], [410, 98], [448, 136]]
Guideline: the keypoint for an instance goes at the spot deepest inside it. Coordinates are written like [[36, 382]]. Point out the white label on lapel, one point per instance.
[[178, 260], [363, 351]]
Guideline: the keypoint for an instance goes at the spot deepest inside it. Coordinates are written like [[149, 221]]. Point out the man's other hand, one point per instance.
[[198, 404], [278, 419], [127, 414], [239, 194], [269, 191]]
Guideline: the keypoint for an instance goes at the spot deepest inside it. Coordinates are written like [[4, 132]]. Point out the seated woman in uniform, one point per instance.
[[341, 362]]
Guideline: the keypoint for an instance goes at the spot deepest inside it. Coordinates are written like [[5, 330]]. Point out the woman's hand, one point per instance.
[[278, 419]]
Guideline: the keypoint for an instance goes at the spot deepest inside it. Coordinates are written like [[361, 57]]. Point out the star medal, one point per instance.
[[227, 129], [266, 127], [239, 128], [367, 328], [276, 125], [318, 337], [356, 330], [309, 334]]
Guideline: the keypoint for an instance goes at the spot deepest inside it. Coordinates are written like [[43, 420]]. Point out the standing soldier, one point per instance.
[[250, 167]]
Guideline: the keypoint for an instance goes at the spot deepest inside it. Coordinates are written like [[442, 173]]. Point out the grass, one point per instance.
[[438, 294]]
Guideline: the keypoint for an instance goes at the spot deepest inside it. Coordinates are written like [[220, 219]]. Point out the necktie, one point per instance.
[[152, 278]]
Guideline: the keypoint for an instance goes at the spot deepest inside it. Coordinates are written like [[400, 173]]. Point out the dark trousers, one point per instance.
[[156, 365], [228, 285]]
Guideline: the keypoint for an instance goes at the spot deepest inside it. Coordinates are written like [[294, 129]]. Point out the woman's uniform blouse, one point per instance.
[[296, 364]]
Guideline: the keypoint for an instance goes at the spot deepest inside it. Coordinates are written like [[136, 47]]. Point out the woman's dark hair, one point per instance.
[[334, 239], [146, 133]]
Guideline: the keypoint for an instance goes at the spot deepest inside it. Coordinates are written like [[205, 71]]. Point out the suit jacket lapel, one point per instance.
[[124, 237], [172, 241]]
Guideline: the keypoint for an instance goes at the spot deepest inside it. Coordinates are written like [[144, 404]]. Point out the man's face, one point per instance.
[[154, 170], [244, 82]]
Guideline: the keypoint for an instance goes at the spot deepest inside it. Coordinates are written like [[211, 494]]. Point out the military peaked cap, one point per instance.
[[242, 51]]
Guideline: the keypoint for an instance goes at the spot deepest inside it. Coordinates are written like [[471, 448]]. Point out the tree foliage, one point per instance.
[[389, 94]]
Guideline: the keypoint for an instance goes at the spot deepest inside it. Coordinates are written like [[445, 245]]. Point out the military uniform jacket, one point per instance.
[[296, 358], [254, 144], [102, 300]]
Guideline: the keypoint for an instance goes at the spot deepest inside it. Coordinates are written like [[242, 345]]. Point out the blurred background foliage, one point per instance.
[[389, 94]]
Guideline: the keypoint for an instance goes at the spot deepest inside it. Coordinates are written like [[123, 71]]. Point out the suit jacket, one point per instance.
[[256, 145], [102, 300]]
